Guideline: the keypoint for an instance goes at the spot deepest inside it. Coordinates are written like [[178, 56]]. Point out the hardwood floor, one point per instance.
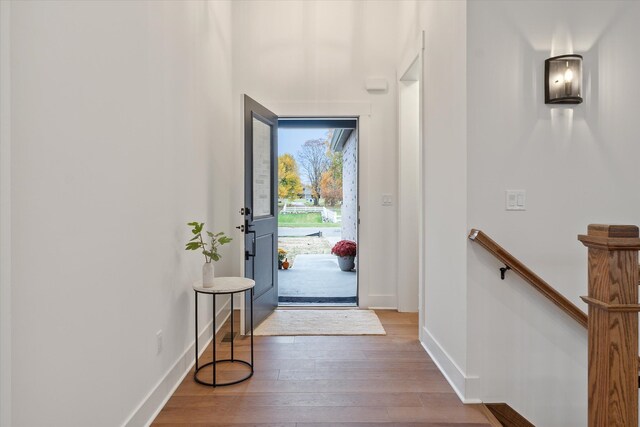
[[326, 381]]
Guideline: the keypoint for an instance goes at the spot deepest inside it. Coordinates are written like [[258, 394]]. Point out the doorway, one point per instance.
[[410, 284], [263, 206], [317, 211]]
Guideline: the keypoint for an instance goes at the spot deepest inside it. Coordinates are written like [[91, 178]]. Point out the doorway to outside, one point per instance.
[[317, 211]]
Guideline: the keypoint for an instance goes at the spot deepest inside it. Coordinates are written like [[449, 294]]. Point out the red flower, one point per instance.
[[344, 248]]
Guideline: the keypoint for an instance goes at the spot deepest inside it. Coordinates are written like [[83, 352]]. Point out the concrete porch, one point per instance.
[[317, 279]]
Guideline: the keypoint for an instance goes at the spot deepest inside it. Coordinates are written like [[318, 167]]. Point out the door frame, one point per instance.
[[415, 54], [357, 130]]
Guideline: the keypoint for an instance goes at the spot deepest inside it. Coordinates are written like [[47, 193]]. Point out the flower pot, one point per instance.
[[207, 275], [279, 265], [346, 263]]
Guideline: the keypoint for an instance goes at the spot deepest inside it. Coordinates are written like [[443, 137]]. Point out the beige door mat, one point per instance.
[[321, 322]]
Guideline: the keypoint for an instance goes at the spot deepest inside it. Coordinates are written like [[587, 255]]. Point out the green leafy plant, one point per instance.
[[209, 249]]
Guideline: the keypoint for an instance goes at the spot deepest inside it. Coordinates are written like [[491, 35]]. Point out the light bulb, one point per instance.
[[568, 75]]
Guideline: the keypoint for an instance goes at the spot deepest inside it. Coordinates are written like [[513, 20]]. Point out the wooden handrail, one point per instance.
[[529, 276], [612, 323]]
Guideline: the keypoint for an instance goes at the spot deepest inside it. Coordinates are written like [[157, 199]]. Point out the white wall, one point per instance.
[[444, 332], [315, 54], [579, 165], [121, 133], [487, 129]]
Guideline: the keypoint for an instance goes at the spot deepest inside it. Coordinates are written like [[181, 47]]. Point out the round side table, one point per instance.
[[223, 286]]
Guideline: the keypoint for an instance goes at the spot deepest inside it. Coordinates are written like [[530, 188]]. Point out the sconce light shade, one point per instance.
[[563, 80]]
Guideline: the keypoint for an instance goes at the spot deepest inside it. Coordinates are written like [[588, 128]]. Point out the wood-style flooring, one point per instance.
[[326, 381]]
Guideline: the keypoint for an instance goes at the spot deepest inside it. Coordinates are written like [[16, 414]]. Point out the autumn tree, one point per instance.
[[331, 180], [289, 185], [314, 161]]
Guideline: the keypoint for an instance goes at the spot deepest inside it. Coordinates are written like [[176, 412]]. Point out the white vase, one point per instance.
[[207, 275]]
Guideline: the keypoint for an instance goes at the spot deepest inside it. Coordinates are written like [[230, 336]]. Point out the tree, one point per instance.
[[331, 180], [289, 185], [314, 161], [331, 189]]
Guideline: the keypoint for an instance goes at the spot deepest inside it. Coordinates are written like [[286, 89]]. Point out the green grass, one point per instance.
[[312, 219]]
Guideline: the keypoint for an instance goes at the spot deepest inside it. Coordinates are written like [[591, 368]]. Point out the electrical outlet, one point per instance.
[[387, 200], [159, 342]]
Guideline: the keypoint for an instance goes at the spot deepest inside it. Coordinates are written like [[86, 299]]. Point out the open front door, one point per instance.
[[261, 208]]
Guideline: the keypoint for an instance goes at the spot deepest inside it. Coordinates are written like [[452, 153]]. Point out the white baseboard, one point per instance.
[[153, 403], [461, 383]]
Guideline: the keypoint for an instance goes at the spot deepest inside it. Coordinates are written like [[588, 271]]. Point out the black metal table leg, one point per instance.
[[232, 336], [251, 330], [196, 305], [214, 361], [214, 340]]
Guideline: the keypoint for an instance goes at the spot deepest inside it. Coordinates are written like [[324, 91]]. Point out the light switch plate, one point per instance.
[[515, 200]]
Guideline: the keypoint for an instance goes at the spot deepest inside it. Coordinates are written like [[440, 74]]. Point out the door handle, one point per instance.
[[241, 228], [245, 211], [252, 254]]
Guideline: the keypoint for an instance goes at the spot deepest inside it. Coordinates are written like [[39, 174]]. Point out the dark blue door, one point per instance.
[[261, 207]]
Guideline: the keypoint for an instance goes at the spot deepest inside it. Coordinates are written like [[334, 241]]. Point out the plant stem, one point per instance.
[[204, 248]]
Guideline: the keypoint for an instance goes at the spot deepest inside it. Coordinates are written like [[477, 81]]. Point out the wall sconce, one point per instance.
[[563, 80]]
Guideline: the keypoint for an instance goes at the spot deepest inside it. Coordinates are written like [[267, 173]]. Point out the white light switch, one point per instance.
[[387, 200], [515, 200]]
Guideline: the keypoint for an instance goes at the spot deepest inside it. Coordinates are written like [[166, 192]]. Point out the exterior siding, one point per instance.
[[350, 189]]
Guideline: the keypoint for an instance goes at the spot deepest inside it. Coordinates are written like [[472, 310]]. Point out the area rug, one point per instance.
[[321, 322]]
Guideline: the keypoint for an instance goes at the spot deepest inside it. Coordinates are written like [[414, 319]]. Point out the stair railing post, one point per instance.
[[613, 324]]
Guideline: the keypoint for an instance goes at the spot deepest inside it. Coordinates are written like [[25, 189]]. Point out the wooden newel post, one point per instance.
[[613, 324]]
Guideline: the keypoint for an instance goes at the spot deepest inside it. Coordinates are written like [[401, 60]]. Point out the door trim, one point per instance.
[[416, 54], [325, 118]]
